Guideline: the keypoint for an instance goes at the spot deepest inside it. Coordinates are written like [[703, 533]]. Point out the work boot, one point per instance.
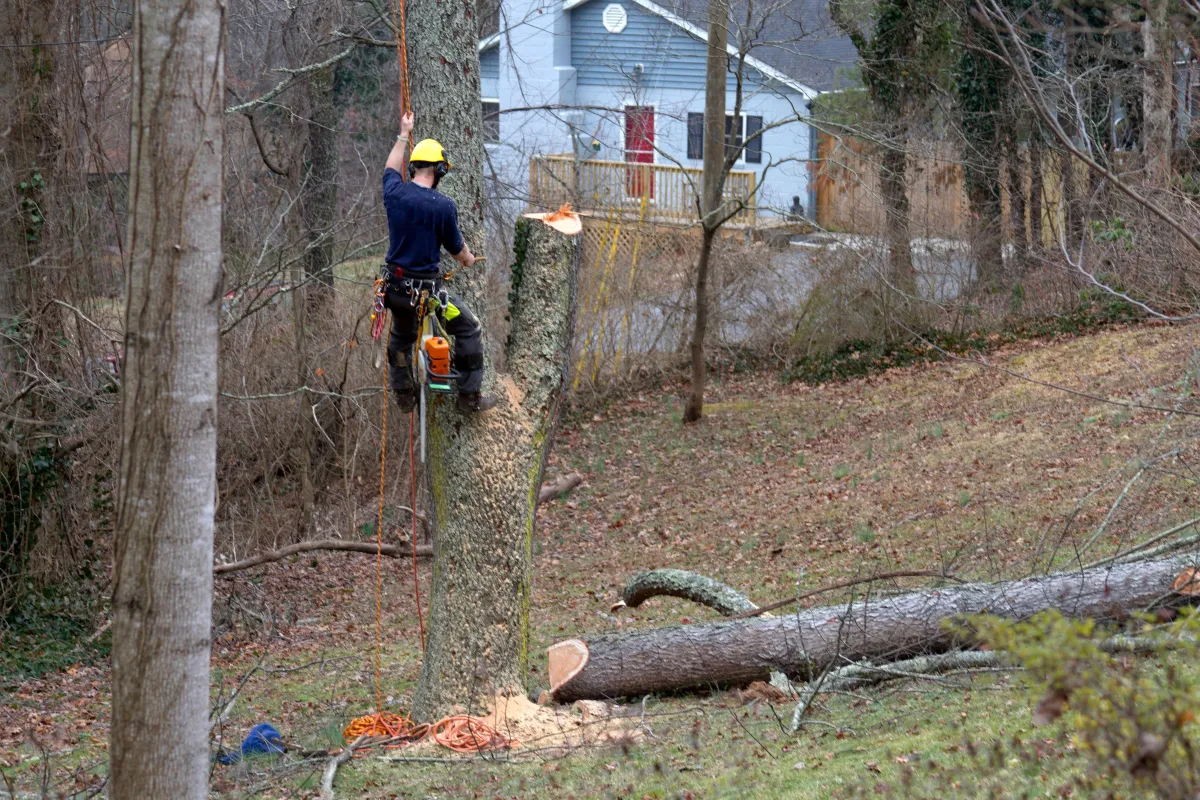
[[474, 402], [406, 399]]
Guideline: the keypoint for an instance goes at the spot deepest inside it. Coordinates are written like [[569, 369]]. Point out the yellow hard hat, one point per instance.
[[429, 150]]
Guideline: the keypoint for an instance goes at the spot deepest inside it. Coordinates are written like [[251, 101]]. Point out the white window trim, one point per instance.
[[741, 159]]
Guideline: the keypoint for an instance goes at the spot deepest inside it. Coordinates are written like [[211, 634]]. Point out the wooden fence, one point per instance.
[[848, 197]]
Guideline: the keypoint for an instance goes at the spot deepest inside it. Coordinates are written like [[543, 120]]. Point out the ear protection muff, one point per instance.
[[439, 170]]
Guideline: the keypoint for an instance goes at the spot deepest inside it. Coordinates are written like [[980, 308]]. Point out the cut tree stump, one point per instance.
[[737, 652]]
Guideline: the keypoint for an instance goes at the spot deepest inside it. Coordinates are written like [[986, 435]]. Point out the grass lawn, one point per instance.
[[952, 466]]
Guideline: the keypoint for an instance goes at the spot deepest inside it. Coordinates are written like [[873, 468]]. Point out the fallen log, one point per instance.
[[370, 548], [725, 600], [561, 486], [737, 652]]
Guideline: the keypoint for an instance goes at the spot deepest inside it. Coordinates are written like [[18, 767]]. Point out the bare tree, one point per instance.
[[162, 594], [715, 170]]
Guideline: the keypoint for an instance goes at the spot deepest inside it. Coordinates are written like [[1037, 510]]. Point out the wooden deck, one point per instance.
[[655, 192]]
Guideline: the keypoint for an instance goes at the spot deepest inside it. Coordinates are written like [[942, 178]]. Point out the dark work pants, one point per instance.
[[467, 359]]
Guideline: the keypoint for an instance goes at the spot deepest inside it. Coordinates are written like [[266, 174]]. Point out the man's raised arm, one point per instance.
[[400, 148]]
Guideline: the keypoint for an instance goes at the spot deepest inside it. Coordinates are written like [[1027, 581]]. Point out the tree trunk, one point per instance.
[[28, 146], [713, 182], [162, 589], [486, 473], [694, 409], [983, 190], [1072, 220], [1036, 187], [893, 171], [1158, 93], [887, 629], [1017, 155], [320, 195]]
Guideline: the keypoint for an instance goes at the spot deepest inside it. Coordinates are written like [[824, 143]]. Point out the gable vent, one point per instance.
[[615, 18]]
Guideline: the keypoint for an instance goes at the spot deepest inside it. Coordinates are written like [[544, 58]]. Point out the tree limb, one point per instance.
[[292, 76], [331, 767], [687, 585], [369, 548], [262, 148]]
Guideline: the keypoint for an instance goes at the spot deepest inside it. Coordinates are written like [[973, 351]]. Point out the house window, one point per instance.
[[753, 153], [695, 133], [735, 134], [491, 120]]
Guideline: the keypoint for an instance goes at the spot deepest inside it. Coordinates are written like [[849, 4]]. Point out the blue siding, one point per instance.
[[671, 57], [489, 72]]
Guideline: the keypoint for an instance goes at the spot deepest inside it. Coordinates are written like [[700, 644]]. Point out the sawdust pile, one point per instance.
[[587, 722]]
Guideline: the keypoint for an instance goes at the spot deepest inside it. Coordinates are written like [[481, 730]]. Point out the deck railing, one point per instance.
[[669, 192]]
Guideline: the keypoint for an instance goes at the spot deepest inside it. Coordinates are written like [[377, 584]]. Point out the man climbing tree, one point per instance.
[[421, 221], [486, 468]]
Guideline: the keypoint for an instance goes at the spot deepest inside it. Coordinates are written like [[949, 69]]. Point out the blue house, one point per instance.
[[602, 101]]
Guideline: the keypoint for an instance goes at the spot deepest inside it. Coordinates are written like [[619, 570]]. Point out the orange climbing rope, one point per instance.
[[412, 537], [460, 733], [398, 28]]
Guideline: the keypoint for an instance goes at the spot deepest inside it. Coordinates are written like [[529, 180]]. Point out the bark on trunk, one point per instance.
[[1072, 221], [687, 585], [320, 196], [694, 409], [486, 473], [984, 194], [894, 191], [713, 181], [28, 143], [1158, 93], [162, 592], [1017, 155], [802, 644], [1036, 187]]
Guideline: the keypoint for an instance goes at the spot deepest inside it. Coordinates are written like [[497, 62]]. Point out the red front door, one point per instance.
[[639, 149]]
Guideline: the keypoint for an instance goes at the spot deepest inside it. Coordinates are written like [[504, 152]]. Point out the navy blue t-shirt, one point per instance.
[[421, 221]]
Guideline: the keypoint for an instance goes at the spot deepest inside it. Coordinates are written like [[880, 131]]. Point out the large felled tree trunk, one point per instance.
[[887, 629], [713, 182], [162, 591]]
